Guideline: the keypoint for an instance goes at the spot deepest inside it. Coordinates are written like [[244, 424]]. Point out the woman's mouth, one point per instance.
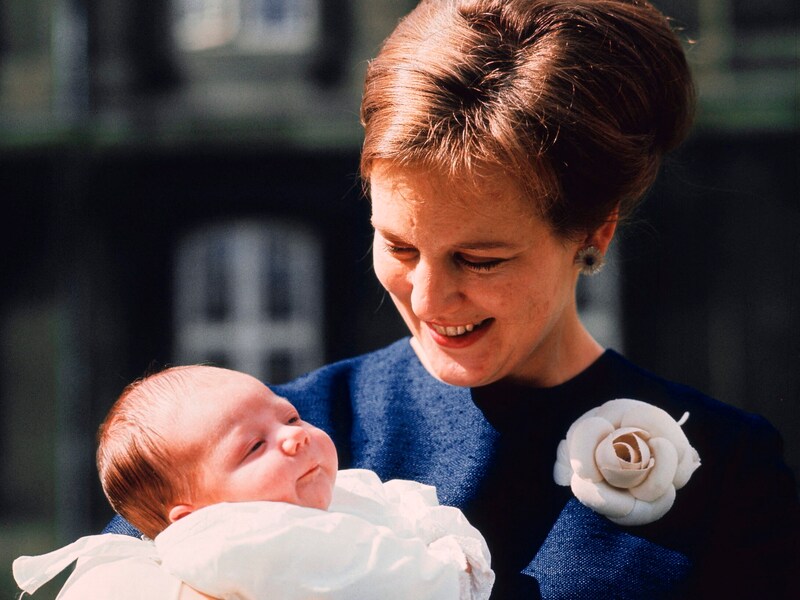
[[458, 336], [457, 330]]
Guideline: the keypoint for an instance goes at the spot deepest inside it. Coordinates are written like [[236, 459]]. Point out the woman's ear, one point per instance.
[[179, 511], [602, 236]]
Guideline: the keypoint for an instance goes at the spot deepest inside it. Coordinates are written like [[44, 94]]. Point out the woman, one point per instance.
[[505, 140]]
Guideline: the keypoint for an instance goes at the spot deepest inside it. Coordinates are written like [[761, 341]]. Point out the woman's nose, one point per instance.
[[435, 291], [293, 438]]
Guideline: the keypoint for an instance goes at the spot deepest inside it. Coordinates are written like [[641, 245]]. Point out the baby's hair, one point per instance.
[[142, 473]]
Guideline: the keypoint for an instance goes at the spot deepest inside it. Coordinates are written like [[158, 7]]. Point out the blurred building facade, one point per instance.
[[180, 184]]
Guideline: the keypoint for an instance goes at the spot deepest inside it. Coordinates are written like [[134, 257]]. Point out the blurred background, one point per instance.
[[179, 183]]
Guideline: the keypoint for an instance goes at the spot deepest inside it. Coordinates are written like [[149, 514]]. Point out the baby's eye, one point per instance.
[[256, 446]]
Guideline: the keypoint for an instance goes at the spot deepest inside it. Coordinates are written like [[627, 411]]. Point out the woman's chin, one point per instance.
[[464, 378], [456, 373], [445, 368]]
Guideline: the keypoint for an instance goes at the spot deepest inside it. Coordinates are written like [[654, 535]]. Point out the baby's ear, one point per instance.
[[179, 511]]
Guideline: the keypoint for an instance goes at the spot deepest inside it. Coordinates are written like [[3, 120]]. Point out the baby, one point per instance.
[[190, 455]]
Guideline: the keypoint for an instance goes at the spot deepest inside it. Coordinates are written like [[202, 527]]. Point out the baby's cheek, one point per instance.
[[325, 497], [323, 449], [317, 493]]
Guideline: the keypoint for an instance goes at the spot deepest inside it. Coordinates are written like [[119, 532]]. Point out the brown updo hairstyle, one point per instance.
[[576, 101], [141, 471]]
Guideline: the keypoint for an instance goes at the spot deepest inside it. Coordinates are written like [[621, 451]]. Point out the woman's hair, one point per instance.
[[142, 472], [576, 101]]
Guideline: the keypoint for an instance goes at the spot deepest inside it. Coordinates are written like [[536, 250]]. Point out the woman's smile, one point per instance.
[[456, 330], [458, 336]]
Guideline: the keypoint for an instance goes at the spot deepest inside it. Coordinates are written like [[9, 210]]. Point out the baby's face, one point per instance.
[[254, 445]]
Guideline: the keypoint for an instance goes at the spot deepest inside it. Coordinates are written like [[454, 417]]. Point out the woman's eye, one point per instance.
[[482, 264], [400, 251]]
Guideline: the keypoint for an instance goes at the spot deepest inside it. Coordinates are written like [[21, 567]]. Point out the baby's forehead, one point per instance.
[[203, 378], [231, 390]]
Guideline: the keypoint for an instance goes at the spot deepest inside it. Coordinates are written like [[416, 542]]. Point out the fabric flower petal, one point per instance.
[[588, 414], [687, 465], [657, 422], [625, 478], [660, 479], [602, 498], [587, 434], [647, 512], [562, 471], [614, 410], [630, 447], [614, 470]]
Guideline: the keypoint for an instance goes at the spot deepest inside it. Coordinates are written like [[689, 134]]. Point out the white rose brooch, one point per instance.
[[625, 459]]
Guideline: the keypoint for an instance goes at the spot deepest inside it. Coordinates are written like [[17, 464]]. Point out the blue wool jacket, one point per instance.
[[732, 532]]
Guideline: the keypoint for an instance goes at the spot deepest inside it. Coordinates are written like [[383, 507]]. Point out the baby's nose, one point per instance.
[[294, 438]]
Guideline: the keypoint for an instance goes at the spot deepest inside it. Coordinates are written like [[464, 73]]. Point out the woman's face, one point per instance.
[[484, 285]]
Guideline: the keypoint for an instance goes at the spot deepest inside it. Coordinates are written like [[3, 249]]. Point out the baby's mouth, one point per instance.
[[311, 471], [457, 330]]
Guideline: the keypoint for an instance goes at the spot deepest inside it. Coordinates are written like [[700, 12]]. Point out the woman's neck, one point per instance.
[[565, 354]]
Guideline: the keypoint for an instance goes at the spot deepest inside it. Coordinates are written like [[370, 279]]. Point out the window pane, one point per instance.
[[250, 293]]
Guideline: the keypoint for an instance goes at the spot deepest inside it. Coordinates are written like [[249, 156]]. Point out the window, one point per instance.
[[249, 296], [248, 25]]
